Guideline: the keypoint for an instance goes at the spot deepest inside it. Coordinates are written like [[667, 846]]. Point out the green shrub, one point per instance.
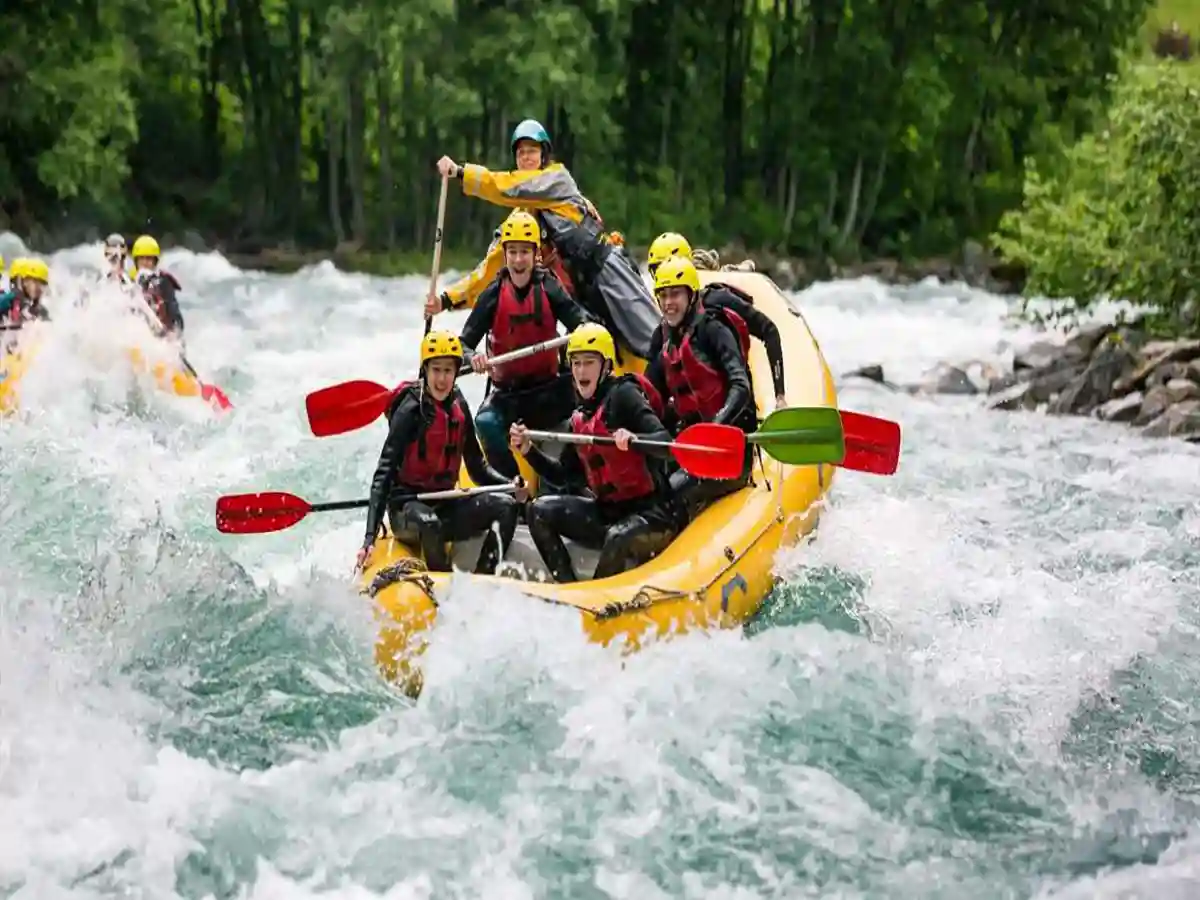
[[1119, 213]]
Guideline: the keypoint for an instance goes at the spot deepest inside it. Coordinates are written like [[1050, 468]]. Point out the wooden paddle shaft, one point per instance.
[[437, 244], [452, 494], [564, 437], [513, 355]]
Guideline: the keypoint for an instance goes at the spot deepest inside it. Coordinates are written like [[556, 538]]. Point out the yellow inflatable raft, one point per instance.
[[716, 573], [12, 367]]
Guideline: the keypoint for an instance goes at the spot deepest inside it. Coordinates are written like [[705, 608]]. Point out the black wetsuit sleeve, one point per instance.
[[626, 407], [170, 299], [759, 325], [564, 307], [654, 370], [720, 344], [567, 469], [403, 428], [477, 466], [656, 343], [479, 322]]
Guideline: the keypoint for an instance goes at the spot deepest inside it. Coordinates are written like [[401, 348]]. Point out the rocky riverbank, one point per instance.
[[973, 265], [1114, 373]]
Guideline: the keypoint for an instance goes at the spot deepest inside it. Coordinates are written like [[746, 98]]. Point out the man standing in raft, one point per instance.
[[430, 434], [603, 279], [717, 296], [632, 518], [701, 373], [520, 308]]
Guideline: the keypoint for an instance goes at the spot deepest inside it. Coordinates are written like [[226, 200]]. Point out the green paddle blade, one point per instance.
[[802, 436]]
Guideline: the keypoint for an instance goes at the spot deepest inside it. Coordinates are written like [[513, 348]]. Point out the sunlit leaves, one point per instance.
[[1118, 215]]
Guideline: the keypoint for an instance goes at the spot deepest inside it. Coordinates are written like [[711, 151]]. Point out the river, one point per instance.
[[979, 681]]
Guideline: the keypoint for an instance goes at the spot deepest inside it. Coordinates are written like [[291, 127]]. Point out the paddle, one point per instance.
[[356, 404], [872, 444], [802, 436], [210, 393], [276, 510], [437, 245], [866, 443], [705, 450]]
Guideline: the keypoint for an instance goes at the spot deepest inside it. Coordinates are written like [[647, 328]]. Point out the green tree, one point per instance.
[[1117, 215], [839, 127]]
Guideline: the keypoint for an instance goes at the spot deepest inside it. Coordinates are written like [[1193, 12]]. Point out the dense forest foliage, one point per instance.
[[1116, 214], [823, 127]]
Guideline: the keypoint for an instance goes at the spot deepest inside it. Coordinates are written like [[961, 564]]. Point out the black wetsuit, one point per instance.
[[628, 532], [431, 525], [538, 405], [716, 343], [760, 326]]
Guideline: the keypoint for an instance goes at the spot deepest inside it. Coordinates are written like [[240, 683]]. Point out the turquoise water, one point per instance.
[[978, 681]]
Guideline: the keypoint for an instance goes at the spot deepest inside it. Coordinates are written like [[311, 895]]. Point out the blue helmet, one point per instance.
[[532, 130]]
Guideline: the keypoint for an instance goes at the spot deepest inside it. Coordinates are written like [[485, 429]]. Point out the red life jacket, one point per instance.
[[18, 305], [698, 389], [653, 397], [553, 262], [432, 461], [613, 475], [154, 295], [520, 323]]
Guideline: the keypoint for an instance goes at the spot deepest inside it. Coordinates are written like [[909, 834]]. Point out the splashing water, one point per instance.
[[978, 681]]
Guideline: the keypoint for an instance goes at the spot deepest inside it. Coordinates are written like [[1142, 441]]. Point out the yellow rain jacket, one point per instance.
[[607, 282]]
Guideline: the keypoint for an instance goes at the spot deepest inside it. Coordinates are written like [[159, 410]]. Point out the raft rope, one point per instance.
[[409, 570], [710, 261], [643, 599]]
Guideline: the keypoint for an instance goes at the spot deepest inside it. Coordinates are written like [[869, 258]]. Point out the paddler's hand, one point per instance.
[[622, 437], [522, 492], [364, 556], [479, 363], [780, 401], [433, 305], [518, 439], [447, 167]]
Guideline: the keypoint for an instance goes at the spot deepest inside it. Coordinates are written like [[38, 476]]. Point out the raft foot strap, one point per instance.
[[762, 465]]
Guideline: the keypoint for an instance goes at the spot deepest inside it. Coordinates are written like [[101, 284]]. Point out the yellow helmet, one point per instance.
[[17, 268], [678, 271], [521, 226], [145, 246], [666, 245], [438, 344], [592, 338], [37, 270]]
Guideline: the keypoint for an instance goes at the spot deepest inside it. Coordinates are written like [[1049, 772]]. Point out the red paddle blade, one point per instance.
[[872, 444], [212, 394], [346, 407], [259, 513], [708, 450]]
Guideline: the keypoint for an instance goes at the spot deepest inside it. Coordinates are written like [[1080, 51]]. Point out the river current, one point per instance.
[[979, 681]]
